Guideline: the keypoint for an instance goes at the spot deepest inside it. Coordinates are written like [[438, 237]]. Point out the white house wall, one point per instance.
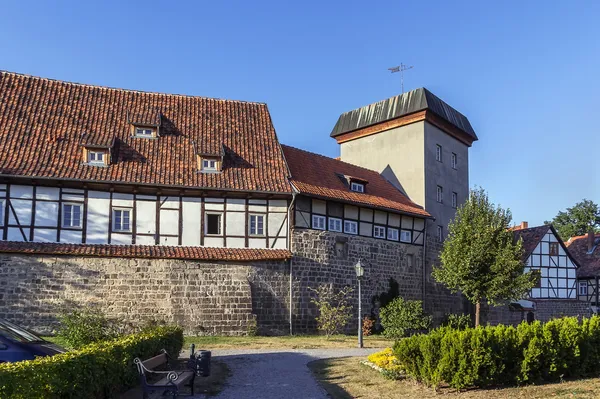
[[558, 273], [31, 213]]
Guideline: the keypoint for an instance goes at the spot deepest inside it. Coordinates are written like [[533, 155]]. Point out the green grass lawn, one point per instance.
[[286, 342], [347, 378]]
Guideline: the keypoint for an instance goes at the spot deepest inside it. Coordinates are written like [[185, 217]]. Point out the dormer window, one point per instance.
[[145, 132], [96, 156], [358, 187], [209, 164]]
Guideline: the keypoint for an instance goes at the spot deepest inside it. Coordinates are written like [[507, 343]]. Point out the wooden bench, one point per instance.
[[172, 381]]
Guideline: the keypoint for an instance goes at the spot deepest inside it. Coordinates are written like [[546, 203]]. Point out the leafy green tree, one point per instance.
[[480, 257], [577, 220]]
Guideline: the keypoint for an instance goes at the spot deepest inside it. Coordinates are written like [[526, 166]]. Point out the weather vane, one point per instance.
[[400, 68]]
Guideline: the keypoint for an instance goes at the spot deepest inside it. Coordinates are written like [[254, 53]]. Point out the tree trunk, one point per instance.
[[477, 312]]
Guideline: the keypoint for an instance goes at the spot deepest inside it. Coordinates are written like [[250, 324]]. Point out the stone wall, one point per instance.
[[202, 297], [325, 257], [544, 310]]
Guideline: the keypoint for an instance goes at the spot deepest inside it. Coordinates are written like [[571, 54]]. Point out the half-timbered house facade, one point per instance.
[[586, 249]]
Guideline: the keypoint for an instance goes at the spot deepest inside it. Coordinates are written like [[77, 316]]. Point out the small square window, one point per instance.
[[392, 234], [318, 222], [257, 225], [454, 200], [144, 132], [358, 187], [440, 194], [379, 232], [350, 227], [553, 249], [121, 220], [440, 233], [96, 157], [454, 161], [583, 288], [438, 153], [406, 236], [209, 165], [335, 224], [213, 224], [71, 215]]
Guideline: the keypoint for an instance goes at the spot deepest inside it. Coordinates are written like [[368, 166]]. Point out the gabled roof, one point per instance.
[[145, 251], [44, 123], [589, 261], [398, 106], [319, 176], [532, 237]]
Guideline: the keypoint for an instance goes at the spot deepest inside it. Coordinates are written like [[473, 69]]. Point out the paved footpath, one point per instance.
[[276, 374]]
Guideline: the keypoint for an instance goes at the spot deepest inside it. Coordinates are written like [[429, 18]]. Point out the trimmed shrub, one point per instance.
[[457, 321], [401, 317], [98, 370], [503, 355]]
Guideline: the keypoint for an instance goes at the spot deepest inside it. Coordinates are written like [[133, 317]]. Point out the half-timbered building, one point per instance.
[[586, 249]]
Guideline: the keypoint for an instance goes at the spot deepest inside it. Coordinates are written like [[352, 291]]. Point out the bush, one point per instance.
[[487, 356], [334, 309], [400, 317], [99, 370], [367, 325], [386, 360], [457, 321], [85, 326]]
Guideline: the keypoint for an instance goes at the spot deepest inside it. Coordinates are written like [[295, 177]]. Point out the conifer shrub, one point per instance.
[[503, 355]]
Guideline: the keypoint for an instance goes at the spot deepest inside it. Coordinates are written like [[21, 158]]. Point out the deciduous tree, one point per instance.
[[577, 220]]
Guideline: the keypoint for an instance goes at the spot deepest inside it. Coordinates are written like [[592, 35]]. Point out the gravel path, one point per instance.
[[275, 374]]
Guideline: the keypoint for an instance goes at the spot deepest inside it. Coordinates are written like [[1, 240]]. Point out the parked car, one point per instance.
[[17, 343]]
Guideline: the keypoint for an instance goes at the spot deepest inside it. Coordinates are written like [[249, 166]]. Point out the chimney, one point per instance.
[[590, 240], [524, 225]]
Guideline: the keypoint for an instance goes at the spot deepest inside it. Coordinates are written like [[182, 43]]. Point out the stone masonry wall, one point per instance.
[[544, 310], [202, 297], [319, 260]]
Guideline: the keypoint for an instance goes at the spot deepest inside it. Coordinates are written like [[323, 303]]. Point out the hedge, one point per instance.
[[501, 355], [99, 370]]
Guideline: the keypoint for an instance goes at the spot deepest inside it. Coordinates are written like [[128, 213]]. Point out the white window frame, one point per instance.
[[403, 236], [334, 224], [440, 194], [454, 160], [143, 131], [256, 231], [94, 159], [209, 165], [438, 153], [63, 213], [440, 233], [357, 187], [220, 233], [392, 234], [321, 222], [584, 285], [116, 228], [454, 200], [353, 231], [378, 231]]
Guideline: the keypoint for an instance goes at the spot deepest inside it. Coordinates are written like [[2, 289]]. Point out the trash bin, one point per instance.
[[200, 361]]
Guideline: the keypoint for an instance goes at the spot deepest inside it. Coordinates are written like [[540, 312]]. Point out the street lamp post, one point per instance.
[[360, 271]]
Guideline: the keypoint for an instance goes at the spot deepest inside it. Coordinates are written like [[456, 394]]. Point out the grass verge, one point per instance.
[[347, 378], [285, 342]]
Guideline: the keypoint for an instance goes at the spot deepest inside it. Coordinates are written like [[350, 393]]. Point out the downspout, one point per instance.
[[291, 258]]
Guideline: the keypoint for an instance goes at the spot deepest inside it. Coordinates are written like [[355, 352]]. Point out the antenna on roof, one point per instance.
[[400, 68]]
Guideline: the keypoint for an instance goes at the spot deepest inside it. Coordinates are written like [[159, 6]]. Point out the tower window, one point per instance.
[[440, 233], [454, 200], [358, 187], [440, 194], [438, 153], [454, 162]]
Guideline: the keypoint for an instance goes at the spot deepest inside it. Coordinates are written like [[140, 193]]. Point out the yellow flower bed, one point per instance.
[[386, 360]]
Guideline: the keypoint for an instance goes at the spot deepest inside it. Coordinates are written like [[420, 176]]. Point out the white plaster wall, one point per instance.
[[145, 217], [192, 221], [98, 215], [46, 214], [169, 222], [236, 223]]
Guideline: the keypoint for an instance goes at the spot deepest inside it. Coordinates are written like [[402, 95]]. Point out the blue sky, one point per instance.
[[525, 73]]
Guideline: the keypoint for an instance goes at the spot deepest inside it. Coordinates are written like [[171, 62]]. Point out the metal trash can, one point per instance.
[[200, 361]]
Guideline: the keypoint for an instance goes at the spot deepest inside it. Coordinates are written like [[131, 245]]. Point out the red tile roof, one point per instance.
[[533, 235], [590, 262], [145, 251], [318, 175], [43, 123]]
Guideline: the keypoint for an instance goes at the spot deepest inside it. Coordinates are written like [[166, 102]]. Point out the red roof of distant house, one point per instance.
[[321, 176], [145, 251], [44, 123], [589, 261], [533, 235]]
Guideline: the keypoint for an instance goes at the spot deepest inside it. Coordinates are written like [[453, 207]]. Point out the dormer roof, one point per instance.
[[44, 123]]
